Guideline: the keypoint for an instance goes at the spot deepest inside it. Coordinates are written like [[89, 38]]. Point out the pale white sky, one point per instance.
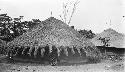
[[90, 14]]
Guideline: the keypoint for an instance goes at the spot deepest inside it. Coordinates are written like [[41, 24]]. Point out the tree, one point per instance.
[[105, 41], [5, 25], [87, 34], [11, 28], [68, 11]]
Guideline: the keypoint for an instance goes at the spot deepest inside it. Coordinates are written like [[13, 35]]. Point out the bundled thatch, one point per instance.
[[2, 46], [52, 33], [2, 43]]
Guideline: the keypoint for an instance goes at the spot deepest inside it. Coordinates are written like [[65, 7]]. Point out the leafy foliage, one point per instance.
[[105, 41], [87, 34], [10, 28]]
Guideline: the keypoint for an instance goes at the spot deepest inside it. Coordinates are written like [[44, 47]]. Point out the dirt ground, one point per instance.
[[104, 66]]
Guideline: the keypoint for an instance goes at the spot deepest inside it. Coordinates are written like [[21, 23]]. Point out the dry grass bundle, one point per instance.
[[52, 35], [2, 46]]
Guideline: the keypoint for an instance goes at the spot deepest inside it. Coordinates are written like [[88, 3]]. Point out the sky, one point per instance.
[[95, 15]]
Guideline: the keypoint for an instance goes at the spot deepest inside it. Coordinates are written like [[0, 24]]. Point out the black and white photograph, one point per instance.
[[62, 35]]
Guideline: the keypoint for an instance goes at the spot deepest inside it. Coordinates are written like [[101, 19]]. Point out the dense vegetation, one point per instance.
[[87, 33], [10, 27]]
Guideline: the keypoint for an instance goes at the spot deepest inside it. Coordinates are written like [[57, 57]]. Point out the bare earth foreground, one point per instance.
[[104, 66]]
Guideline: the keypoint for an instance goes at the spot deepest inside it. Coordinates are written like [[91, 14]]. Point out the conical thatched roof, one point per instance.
[[115, 39], [52, 32]]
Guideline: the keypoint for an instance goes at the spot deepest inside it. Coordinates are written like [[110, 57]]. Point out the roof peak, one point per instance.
[[52, 18], [109, 30]]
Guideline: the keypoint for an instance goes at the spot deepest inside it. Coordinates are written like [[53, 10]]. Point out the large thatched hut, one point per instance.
[[50, 40]]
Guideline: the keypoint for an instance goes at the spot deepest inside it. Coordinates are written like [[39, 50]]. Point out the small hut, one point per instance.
[[49, 40]]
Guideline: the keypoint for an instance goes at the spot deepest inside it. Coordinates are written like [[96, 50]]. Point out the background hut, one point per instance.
[[52, 37]]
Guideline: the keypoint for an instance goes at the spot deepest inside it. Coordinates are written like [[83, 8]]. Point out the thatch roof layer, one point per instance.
[[51, 32]]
